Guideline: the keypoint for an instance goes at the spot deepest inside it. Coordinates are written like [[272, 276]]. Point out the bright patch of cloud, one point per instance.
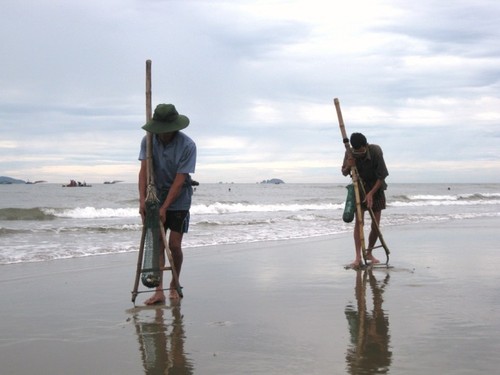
[[8, 144]]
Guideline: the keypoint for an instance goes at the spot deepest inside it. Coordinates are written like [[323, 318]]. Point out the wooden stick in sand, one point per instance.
[[149, 158]]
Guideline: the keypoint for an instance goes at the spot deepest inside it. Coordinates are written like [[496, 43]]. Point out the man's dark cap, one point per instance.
[[358, 140]]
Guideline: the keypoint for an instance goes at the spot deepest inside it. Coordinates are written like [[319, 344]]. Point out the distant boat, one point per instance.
[[73, 183], [112, 182]]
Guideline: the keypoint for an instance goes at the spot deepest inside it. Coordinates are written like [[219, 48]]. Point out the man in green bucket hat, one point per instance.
[[174, 158]]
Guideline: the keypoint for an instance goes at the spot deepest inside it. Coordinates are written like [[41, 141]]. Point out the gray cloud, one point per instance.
[[257, 81]]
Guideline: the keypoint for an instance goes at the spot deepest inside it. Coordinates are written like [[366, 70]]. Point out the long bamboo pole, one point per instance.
[[139, 265], [355, 180], [149, 176], [151, 182], [149, 135]]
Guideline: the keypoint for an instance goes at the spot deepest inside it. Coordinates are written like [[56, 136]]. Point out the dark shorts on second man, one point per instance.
[[177, 221], [378, 202]]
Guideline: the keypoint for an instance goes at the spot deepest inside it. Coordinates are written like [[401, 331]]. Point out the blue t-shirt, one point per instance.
[[177, 156]]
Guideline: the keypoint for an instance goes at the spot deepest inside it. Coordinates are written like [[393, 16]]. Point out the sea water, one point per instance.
[[42, 222]]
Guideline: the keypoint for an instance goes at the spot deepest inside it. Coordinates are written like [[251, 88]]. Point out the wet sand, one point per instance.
[[286, 307]]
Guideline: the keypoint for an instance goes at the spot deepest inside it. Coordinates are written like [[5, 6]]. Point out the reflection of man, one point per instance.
[[162, 353], [369, 351]]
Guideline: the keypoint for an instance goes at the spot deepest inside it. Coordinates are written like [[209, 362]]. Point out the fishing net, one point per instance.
[[350, 204], [151, 273]]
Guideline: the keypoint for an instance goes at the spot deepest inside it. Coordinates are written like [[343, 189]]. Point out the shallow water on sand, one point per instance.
[[448, 313], [283, 307], [435, 311]]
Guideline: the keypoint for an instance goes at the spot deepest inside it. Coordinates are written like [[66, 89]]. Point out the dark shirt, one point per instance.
[[371, 168]]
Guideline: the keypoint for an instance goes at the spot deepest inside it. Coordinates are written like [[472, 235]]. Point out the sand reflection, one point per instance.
[[161, 335], [369, 351]]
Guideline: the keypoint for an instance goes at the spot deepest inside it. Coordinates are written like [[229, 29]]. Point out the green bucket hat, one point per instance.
[[166, 119]]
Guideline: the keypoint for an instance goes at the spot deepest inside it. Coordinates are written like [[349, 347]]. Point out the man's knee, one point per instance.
[[175, 245], [175, 248]]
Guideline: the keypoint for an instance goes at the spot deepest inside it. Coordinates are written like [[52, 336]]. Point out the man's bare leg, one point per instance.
[[175, 245], [358, 261], [373, 237], [158, 297]]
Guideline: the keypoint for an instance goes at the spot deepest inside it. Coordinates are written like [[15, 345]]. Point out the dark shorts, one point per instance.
[[378, 202], [177, 221]]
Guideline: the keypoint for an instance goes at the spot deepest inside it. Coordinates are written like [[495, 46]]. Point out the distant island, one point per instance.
[[10, 180], [4, 180], [275, 181]]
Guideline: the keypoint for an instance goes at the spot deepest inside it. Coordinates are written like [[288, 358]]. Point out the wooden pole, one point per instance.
[[151, 190], [355, 180], [139, 265], [149, 136], [149, 156], [149, 107]]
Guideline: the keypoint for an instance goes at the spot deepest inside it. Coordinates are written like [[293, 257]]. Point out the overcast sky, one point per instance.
[[257, 80]]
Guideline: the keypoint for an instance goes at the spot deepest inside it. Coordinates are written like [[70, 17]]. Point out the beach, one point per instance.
[[273, 307]]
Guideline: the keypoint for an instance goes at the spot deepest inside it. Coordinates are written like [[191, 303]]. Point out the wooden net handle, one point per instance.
[[355, 179], [149, 136], [341, 125]]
